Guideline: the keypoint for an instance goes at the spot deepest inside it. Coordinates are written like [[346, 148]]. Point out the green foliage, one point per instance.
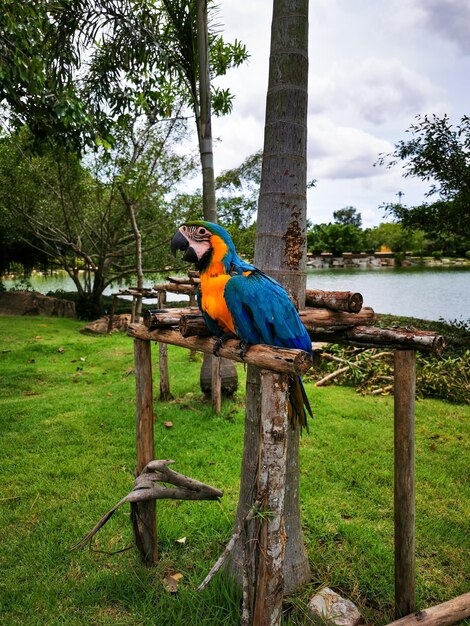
[[348, 215], [445, 377], [371, 371], [78, 216], [77, 70], [439, 153], [335, 238], [68, 454], [395, 237]]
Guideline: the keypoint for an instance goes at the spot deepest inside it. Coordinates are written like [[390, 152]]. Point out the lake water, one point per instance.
[[426, 293]]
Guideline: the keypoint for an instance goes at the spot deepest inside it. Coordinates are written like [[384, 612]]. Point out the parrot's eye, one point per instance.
[[202, 231]]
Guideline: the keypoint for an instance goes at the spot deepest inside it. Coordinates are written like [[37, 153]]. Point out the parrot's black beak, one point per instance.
[[179, 242]]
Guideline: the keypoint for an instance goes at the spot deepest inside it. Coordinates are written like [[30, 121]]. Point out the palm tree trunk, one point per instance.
[[204, 121], [281, 248]]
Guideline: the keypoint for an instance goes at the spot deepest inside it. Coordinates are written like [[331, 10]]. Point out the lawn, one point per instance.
[[67, 454]]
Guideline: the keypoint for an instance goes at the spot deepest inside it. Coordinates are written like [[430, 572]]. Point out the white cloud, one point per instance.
[[342, 152], [378, 90]]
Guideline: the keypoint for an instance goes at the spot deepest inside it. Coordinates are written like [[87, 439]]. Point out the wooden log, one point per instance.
[[165, 318], [404, 481], [143, 514], [335, 300], [193, 325], [175, 288], [313, 320], [449, 612], [267, 554], [397, 338], [331, 321], [282, 360]]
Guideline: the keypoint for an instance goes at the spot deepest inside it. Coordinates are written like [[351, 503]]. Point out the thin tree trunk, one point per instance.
[[281, 246], [204, 122]]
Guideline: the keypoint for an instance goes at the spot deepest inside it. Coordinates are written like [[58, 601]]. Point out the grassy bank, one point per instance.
[[67, 455]]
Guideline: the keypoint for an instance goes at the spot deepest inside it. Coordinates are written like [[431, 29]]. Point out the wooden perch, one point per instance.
[[443, 614], [282, 360], [187, 289], [313, 320], [193, 326], [396, 338], [145, 489], [165, 318], [335, 300]]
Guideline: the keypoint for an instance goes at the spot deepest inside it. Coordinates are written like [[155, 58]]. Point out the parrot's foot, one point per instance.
[[243, 347], [220, 342]]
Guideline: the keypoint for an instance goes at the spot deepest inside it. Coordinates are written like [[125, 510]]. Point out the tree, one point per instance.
[[76, 216], [335, 238], [438, 153], [280, 248], [348, 216], [395, 237]]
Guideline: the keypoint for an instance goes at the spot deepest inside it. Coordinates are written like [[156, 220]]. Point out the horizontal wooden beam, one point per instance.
[[281, 360], [394, 338]]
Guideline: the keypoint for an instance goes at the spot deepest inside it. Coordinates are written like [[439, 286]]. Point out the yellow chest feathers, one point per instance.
[[213, 301]]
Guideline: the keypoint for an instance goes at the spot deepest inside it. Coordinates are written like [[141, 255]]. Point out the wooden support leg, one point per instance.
[[267, 560], [404, 492], [165, 393], [216, 389], [143, 514]]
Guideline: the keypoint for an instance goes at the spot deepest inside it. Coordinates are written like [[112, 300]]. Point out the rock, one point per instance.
[[327, 607], [100, 326], [34, 303]]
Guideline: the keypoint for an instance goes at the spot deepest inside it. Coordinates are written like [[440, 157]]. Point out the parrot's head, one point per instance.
[[203, 243]]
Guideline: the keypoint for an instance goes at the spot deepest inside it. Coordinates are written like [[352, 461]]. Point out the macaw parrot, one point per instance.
[[237, 299]]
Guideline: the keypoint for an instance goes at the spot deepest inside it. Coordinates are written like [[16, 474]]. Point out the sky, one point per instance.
[[373, 66]]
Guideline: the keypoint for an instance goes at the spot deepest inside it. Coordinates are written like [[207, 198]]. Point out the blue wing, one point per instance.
[[262, 312]]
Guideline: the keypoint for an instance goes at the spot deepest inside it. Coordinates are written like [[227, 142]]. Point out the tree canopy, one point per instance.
[[439, 153], [76, 69]]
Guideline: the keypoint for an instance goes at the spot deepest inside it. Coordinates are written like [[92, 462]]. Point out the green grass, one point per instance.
[[67, 453]]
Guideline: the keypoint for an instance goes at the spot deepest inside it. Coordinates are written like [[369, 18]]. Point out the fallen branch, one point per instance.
[[146, 489]]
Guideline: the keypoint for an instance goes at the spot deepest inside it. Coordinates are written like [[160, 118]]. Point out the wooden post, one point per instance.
[[265, 565], [165, 393], [143, 514], [216, 389], [404, 492]]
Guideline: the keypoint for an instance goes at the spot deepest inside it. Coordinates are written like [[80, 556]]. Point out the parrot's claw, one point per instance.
[[219, 343], [243, 347]]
